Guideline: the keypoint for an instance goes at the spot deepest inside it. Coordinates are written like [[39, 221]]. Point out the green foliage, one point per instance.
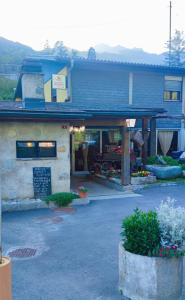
[[183, 167], [166, 252], [141, 233], [83, 189], [155, 160], [175, 58], [7, 88], [62, 199], [60, 50], [152, 160], [170, 161]]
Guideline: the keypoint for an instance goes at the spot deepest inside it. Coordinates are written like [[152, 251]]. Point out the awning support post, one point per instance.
[[153, 137], [125, 156]]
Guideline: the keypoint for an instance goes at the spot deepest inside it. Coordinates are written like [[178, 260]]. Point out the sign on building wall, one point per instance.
[[59, 81], [41, 182]]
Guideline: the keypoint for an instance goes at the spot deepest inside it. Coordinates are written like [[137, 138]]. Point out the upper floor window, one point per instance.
[[35, 149], [173, 88]]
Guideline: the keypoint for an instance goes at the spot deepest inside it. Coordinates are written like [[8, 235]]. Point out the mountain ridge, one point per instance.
[[14, 52]]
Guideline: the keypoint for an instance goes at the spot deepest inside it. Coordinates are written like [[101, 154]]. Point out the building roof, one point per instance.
[[80, 61], [10, 110]]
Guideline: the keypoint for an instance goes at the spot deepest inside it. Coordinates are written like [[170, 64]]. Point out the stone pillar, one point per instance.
[[153, 137], [125, 157]]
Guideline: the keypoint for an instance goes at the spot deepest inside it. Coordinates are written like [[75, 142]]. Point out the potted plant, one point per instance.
[[142, 177], [151, 253], [83, 192], [5, 268], [5, 278]]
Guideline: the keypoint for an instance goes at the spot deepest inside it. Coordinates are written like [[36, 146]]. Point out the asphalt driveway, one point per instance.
[[76, 251]]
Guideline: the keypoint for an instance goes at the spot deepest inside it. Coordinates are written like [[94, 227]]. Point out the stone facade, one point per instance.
[[17, 174]]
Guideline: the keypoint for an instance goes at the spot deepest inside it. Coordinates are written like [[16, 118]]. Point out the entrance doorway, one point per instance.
[[95, 146]]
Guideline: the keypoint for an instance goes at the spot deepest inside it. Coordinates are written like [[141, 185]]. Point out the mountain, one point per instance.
[[120, 53], [13, 52]]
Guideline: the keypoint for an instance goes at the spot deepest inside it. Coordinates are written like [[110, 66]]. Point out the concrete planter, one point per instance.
[[143, 180], [150, 278], [5, 279], [165, 172]]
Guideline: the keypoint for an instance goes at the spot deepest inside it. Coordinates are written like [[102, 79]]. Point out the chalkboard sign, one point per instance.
[[41, 182]]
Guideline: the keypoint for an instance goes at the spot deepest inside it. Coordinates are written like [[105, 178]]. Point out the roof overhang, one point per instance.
[[68, 115]]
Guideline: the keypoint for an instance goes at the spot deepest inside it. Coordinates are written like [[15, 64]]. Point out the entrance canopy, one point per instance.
[[55, 112]]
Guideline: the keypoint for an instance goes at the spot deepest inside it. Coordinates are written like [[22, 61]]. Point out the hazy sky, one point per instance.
[[84, 23]]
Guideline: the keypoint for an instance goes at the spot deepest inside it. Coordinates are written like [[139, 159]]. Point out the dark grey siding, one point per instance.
[[148, 89], [101, 89]]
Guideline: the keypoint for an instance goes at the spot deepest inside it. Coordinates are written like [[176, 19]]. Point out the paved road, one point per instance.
[[77, 252]]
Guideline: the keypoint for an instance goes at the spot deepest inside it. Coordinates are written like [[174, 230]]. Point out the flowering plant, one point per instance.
[[141, 174], [156, 233], [172, 224], [83, 189]]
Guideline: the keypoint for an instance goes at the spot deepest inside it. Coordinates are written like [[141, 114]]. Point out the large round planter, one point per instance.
[[5, 279], [165, 172], [150, 278]]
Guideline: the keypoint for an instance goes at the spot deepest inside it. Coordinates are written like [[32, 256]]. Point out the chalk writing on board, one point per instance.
[[41, 182]]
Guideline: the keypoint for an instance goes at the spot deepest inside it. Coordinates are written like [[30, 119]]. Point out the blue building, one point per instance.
[[94, 84], [81, 115]]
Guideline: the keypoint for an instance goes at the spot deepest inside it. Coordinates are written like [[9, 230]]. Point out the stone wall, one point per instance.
[[16, 174]]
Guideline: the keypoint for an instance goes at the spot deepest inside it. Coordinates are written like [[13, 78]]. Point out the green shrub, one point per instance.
[[62, 199], [152, 160], [170, 161], [155, 160], [183, 167], [141, 233]]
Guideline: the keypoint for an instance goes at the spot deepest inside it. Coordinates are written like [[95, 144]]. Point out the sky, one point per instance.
[[81, 24]]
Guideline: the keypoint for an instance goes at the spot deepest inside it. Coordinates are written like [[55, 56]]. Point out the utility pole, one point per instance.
[[170, 33]]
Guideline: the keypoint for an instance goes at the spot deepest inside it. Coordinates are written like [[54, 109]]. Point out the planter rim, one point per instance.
[[5, 261], [145, 256]]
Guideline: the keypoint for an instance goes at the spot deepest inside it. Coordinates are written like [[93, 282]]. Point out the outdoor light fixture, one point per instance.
[[131, 122], [74, 129]]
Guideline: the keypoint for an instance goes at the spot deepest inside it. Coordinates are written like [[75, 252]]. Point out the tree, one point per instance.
[[175, 56], [7, 87], [74, 53], [60, 50], [47, 49]]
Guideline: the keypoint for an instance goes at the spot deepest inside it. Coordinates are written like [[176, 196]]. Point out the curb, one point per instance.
[[29, 204]]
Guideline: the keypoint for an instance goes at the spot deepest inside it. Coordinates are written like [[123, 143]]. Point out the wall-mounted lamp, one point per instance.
[[131, 122], [74, 129]]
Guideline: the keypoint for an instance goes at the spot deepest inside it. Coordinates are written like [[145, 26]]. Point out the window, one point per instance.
[[172, 88], [33, 149]]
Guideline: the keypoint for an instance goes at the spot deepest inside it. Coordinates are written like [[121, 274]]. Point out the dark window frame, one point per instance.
[[171, 91], [171, 96], [37, 150]]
